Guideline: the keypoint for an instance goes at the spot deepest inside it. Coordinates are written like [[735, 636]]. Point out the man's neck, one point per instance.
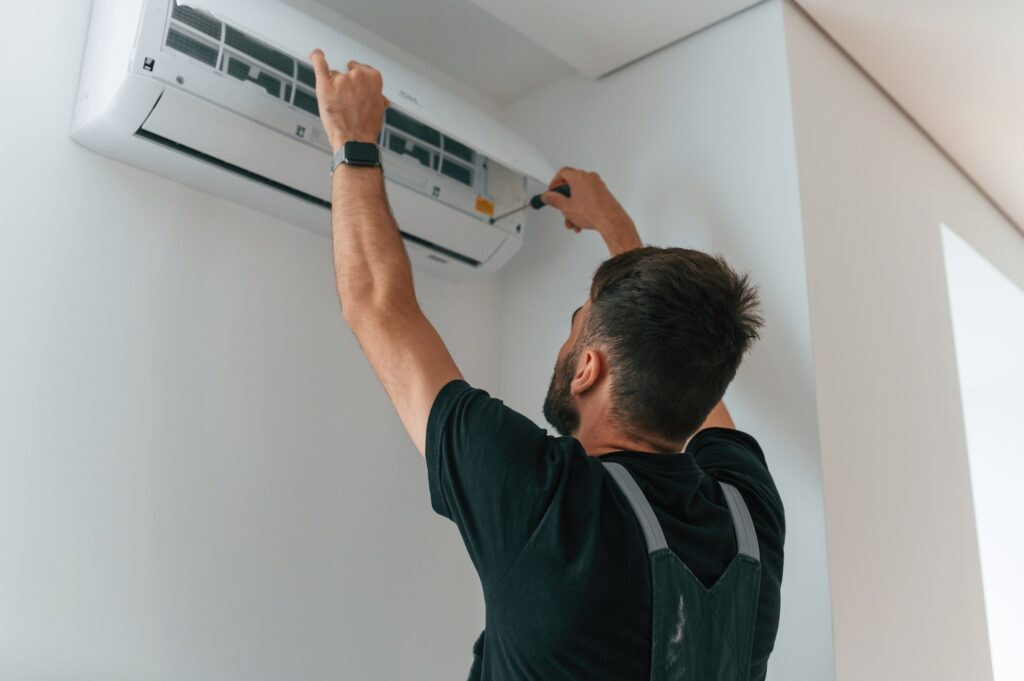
[[594, 444], [599, 434]]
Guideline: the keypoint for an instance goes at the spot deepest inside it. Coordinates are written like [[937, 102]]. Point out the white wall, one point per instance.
[[906, 586], [988, 326], [697, 142], [200, 478]]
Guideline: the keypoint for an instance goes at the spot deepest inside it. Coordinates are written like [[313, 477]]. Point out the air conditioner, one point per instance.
[[218, 95]]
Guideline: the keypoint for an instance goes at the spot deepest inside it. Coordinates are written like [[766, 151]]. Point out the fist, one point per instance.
[[351, 104], [590, 206]]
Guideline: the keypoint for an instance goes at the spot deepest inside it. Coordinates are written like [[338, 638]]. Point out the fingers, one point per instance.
[[563, 176], [554, 199], [354, 65], [323, 72]]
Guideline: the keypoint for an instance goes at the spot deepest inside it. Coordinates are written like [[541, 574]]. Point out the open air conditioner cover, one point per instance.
[[218, 94]]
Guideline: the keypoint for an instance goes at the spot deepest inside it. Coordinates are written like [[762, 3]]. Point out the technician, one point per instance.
[[646, 541]]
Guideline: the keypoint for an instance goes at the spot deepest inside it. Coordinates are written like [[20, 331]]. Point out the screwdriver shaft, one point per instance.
[[535, 202]]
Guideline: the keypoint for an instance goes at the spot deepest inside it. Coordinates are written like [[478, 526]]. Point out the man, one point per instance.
[[608, 552]]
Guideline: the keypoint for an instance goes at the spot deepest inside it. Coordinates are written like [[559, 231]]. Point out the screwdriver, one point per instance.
[[536, 202]]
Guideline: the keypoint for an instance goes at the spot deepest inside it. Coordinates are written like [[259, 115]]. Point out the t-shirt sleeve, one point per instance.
[[735, 457], [490, 470]]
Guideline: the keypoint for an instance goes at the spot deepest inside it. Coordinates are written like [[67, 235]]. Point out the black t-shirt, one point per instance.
[[560, 555]]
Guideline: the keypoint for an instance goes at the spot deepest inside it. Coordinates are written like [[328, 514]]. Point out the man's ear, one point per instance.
[[589, 369]]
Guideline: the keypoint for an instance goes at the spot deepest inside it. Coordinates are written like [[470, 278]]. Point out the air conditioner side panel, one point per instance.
[[113, 27]]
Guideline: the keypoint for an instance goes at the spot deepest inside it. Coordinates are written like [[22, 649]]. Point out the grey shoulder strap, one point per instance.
[[746, 536], [641, 507]]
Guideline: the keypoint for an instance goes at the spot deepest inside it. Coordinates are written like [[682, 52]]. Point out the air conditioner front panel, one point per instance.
[[191, 122], [247, 147], [441, 225]]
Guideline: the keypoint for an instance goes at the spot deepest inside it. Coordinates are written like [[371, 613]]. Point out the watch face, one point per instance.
[[362, 153]]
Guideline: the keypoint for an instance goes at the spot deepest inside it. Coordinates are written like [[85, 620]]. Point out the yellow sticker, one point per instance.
[[484, 206]]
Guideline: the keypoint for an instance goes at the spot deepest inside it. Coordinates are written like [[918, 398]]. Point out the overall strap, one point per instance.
[[746, 536], [641, 507]]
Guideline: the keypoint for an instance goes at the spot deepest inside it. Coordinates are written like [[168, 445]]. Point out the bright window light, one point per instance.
[[988, 329]]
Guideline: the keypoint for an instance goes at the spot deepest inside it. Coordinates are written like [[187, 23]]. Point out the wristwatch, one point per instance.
[[357, 154]]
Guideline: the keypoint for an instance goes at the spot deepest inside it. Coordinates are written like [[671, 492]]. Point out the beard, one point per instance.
[[559, 408]]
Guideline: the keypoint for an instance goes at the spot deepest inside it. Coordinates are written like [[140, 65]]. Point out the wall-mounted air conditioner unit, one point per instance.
[[215, 94]]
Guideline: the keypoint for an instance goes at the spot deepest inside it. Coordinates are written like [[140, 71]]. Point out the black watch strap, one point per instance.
[[353, 153]]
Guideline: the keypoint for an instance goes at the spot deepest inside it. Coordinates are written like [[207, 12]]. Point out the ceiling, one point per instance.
[[462, 40], [956, 67], [506, 49], [598, 36]]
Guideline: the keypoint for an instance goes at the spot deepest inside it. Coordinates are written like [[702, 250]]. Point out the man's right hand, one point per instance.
[[592, 206]]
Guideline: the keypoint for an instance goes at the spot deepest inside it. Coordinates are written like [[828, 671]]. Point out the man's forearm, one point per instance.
[[371, 266], [622, 240], [370, 261], [619, 233]]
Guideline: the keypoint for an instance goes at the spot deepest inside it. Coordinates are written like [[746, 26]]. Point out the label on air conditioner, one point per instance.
[[484, 206]]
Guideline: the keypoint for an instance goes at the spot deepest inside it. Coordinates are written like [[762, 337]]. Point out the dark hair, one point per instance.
[[675, 324]]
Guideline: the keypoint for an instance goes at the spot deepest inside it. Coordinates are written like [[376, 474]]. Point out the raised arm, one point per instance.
[[372, 270]]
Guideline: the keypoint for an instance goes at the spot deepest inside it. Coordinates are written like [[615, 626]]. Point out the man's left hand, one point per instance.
[[352, 104]]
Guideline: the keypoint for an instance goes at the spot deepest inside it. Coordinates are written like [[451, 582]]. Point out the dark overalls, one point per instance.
[[698, 634]]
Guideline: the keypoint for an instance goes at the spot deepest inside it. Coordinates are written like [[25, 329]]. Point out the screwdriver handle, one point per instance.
[[537, 202]]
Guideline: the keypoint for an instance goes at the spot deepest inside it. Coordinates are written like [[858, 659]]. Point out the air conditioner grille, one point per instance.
[[201, 21], [192, 47], [459, 149], [457, 172], [306, 75], [242, 71], [400, 145], [398, 120], [405, 135], [243, 43], [230, 50], [306, 100]]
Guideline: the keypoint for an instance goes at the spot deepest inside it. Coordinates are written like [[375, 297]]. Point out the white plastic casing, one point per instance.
[[134, 90]]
